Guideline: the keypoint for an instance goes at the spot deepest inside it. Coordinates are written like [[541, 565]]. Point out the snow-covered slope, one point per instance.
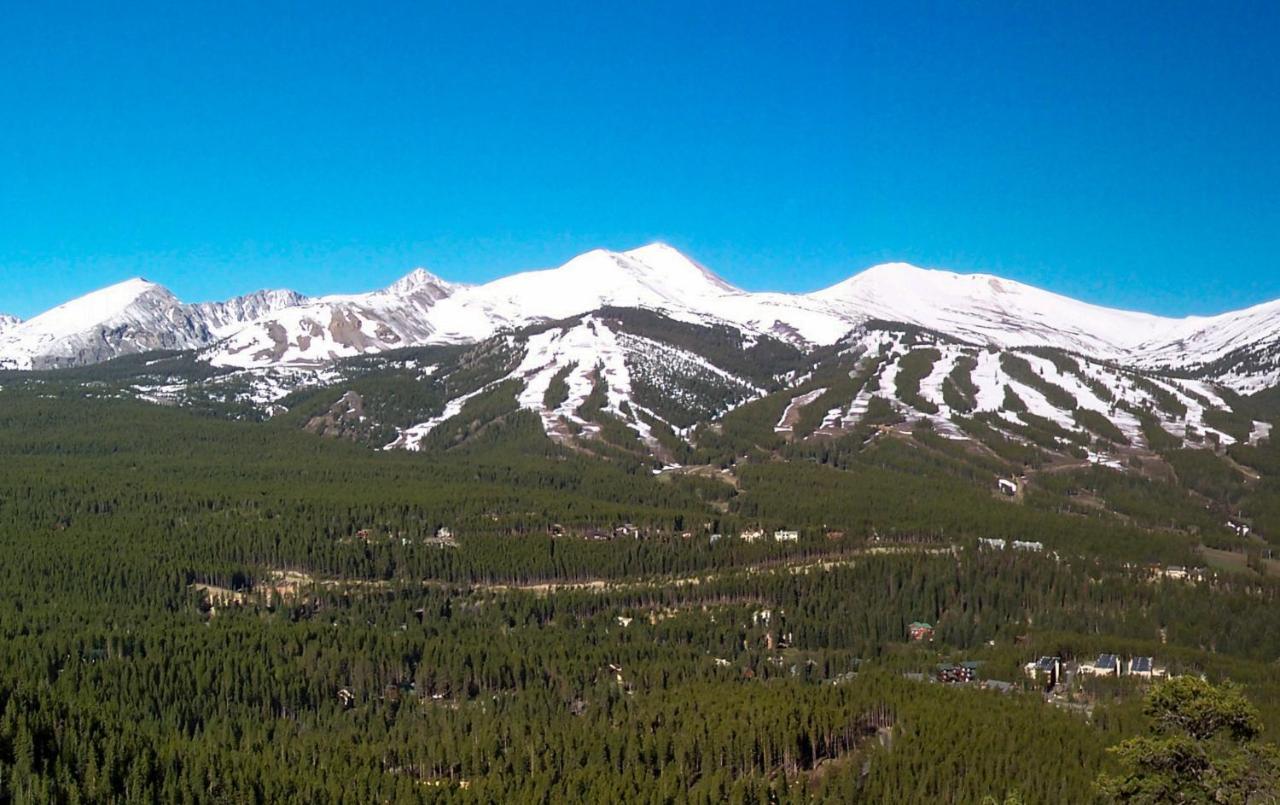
[[132, 316], [318, 331], [8, 322], [656, 277], [127, 318], [423, 309], [1240, 350], [280, 328], [223, 318], [636, 378], [985, 309]]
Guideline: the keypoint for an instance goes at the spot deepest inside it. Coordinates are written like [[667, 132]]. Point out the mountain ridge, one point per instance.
[[1240, 349]]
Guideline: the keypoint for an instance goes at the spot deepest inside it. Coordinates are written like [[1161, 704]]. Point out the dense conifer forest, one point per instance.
[[198, 609]]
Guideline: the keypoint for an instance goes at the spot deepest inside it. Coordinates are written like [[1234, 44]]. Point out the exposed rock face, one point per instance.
[[342, 418], [125, 319], [219, 316]]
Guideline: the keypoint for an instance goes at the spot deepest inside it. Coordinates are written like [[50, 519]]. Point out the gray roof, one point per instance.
[[1141, 665]]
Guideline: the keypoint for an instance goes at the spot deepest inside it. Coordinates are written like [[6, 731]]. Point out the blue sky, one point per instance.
[[1124, 153]]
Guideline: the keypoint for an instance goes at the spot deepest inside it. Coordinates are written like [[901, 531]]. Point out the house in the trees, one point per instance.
[[920, 631], [751, 535], [1146, 668], [782, 535], [1046, 670], [1009, 488], [994, 544], [956, 674], [1023, 545], [1105, 665]]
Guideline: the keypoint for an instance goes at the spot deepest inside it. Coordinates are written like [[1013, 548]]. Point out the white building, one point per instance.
[[1046, 669], [786, 536], [1105, 665], [751, 535], [1146, 668]]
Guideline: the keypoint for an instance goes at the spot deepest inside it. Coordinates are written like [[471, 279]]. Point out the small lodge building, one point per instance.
[[751, 535], [1009, 488], [1105, 665], [783, 535], [920, 631], [1146, 668], [1047, 670], [1022, 545], [994, 544]]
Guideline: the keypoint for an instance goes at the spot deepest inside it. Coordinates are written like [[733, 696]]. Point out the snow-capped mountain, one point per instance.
[[132, 316], [226, 317], [318, 331], [8, 322], [280, 328], [1240, 349], [985, 309], [423, 309], [127, 318], [655, 277]]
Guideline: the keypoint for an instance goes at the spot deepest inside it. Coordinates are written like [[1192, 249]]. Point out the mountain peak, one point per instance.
[[100, 305], [671, 264], [416, 280]]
